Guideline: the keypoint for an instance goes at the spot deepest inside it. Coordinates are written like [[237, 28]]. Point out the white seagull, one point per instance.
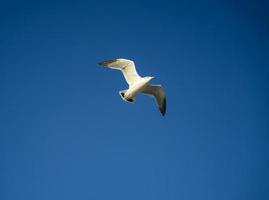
[[136, 83]]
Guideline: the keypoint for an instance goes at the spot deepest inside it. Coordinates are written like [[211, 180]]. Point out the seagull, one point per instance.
[[137, 84]]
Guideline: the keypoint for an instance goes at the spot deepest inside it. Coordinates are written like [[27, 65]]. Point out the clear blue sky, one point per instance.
[[65, 133]]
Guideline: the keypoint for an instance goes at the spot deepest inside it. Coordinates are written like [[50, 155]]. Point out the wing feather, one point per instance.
[[158, 92], [127, 67]]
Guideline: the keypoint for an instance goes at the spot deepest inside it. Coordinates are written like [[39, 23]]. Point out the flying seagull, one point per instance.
[[137, 84]]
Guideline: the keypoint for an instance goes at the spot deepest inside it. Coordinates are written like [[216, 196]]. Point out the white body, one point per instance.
[[136, 83], [136, 88]]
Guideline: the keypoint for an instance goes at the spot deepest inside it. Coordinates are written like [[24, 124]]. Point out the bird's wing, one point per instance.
[[126, 66], [158, 92]]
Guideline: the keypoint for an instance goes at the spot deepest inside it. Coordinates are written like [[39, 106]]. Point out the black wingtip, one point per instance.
[[107, 62], [163, 108]]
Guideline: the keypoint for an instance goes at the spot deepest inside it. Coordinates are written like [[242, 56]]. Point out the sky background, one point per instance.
[[65, 133]]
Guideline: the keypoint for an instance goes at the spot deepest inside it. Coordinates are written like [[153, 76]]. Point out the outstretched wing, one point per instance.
[[158, 92], [126, 66]]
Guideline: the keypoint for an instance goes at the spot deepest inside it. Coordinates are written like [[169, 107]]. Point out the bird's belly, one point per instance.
[[138, 87]]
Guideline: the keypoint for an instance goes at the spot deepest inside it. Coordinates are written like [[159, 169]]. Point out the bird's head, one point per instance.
[[150, 77]]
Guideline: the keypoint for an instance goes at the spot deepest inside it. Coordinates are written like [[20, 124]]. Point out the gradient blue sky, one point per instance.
[[66, 134]]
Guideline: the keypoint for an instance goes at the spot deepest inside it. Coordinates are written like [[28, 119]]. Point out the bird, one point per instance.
[[137, 84]]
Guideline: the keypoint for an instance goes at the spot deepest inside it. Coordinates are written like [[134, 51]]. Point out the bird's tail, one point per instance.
[[122, 92]]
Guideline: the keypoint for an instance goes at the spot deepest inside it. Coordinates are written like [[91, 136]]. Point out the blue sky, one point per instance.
[[65, 133]]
